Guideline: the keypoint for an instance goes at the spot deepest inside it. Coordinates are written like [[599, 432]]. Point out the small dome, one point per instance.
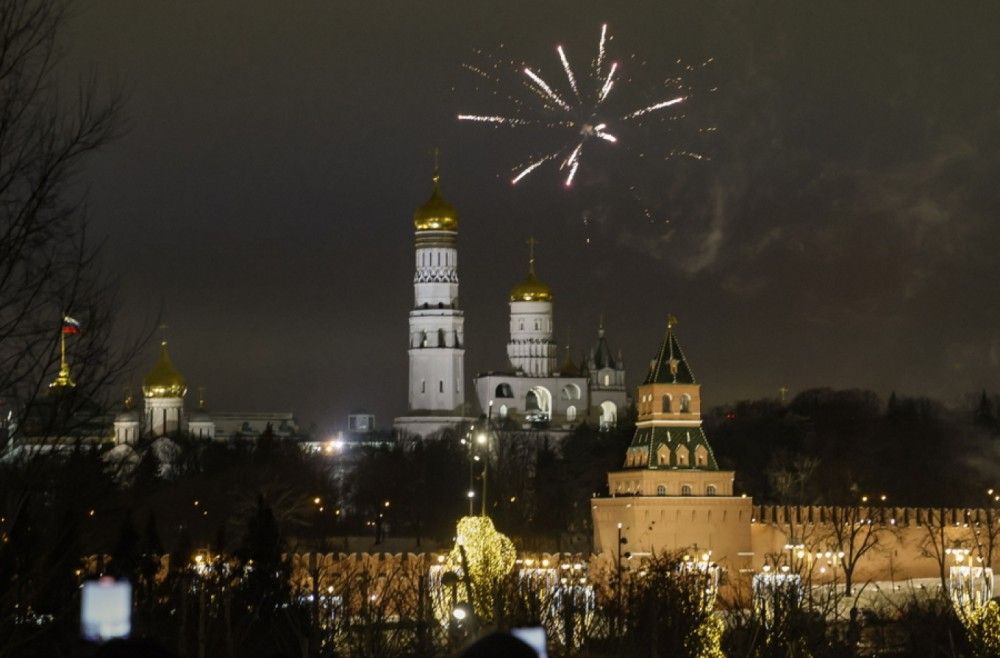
[[163, 381], [531, 290], [436, 214]]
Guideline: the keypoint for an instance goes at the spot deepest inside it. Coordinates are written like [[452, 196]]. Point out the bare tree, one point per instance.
[[854, 533], [48, 265], [48, 268]]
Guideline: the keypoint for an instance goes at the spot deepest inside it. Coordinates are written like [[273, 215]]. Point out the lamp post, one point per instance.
[[483, 438], [470, 493]]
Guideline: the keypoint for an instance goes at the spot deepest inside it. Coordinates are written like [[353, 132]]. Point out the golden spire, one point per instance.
[[531, 255], [671, 321], [63, 379]]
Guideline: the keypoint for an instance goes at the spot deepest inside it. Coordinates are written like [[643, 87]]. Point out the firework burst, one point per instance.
[[582, 112]]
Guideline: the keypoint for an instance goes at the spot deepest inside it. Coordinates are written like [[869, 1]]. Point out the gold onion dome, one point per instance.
[[436, 214], [531, 290], [163, 381]]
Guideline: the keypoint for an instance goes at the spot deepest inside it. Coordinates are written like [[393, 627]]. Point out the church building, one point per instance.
[[164, 414], [536, 392]]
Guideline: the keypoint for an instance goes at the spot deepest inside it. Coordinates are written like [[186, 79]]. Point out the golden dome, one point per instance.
[[531, 290], [436, 214], [163, 381]]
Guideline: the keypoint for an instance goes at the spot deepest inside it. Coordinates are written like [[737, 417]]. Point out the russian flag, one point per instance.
[[70, 326]]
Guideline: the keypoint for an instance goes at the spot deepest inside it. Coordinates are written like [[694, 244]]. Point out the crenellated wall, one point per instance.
[[908, 538]]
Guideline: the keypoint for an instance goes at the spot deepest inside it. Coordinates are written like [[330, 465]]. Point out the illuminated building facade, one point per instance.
[[436, 384], [671, 494]]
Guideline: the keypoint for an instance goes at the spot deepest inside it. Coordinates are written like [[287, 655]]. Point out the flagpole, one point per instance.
[[62, 350]]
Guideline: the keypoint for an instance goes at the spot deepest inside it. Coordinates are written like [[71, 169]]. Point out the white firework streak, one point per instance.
[[573, 157], [573, 162], [569, 71], [608, 83], [546, 88], [600, 49], [531, 167], [482, 118], [599, 131], [572, 173], [655, 107]]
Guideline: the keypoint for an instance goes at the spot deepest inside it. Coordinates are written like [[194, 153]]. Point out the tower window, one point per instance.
[[685, 489], [423, 386], [665, 404], [441, 386], [661, 490], [685, 404], [710, 490]]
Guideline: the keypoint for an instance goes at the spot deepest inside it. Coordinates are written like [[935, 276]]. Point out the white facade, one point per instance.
[[128, 427], [164, 415], [437, 333], [531, 349], [558, 402], [535, 393], [436, 344]]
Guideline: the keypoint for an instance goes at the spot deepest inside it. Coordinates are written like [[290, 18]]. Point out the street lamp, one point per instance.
[[483, 439]]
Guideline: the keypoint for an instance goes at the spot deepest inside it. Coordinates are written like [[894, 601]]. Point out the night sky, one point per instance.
[[844, 232]]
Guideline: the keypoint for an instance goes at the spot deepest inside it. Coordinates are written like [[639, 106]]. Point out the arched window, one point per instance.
[[609, 414], [522, 325], [685, 404], [531, 401], [710, 490], [665, 404], [570, 392], [441, 386], [504, 391], [661, 490], [423, 339], [685, 489], [536, 325], [682, 455], [571, 413], [607, 380], [503, 411], [423, 385], [440, 337], [700, 456]]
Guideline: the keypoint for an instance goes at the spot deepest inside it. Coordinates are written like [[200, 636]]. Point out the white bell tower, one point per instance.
[[531, 349], [437, 336]]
